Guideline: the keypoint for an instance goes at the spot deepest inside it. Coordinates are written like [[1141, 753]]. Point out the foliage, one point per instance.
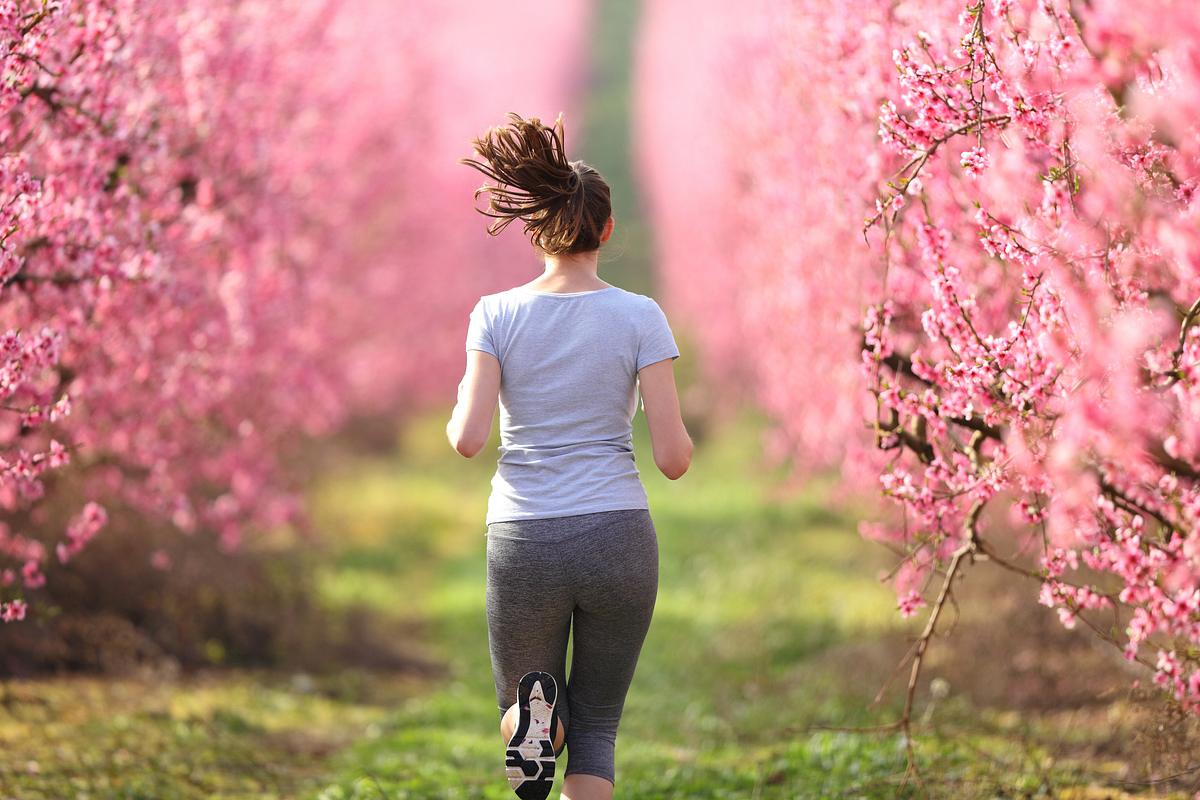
[[1017, 331], [223, 232]]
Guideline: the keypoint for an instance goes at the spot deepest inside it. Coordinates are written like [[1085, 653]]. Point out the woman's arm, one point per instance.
[[470, 424], [660, 401]]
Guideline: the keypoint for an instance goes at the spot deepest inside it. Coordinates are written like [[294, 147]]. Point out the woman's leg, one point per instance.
[[529, 616], [581, 786], [615, 571]]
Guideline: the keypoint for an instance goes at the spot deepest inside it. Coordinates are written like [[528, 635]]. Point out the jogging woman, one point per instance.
[[570, 542]]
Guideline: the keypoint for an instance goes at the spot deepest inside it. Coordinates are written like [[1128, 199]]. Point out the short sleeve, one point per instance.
[[479, 331], [656, 342]]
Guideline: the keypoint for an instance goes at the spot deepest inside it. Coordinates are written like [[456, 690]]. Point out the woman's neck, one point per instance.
[[575, 273]]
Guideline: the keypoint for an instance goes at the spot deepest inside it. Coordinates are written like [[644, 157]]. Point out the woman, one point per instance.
[[570, 541]]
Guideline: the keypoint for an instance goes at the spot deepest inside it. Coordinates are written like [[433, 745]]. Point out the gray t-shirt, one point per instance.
[[568, 393]]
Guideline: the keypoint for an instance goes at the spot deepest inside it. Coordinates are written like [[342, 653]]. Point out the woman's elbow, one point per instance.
[[469, 446], [675, 464], [465, 442]]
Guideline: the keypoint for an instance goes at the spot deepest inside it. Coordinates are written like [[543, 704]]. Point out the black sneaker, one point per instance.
[[530, 755]]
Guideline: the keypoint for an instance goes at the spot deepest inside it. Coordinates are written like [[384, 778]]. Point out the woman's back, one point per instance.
[[569, 365]]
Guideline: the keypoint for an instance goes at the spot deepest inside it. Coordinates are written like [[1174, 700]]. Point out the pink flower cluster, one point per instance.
[[81, 530], [1017, 336], [224, 227]]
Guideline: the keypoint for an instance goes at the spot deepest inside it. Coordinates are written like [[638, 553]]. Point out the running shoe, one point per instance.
[[529, 759]]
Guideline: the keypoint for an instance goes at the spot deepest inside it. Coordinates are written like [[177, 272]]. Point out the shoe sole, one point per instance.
[[529, 759]]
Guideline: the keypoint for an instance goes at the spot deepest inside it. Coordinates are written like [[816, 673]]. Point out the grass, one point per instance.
[[764, 610], [770, 623], [223, 734]]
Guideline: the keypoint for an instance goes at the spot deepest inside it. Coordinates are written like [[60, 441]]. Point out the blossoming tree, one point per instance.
[[225, 225], [968, 273]]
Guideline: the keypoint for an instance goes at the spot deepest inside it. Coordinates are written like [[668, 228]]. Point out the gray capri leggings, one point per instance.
[[599, 571]]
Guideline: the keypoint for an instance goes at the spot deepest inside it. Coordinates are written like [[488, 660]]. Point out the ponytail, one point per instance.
[[564, 204]]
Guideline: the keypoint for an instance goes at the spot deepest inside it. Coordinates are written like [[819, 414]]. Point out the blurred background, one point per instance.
[[279, 588]]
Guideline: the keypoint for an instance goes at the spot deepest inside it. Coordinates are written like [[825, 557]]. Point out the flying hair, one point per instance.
[[564, 204]]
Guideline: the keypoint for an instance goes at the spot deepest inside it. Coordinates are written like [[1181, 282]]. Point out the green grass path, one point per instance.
[[769, 621], [763, 607]]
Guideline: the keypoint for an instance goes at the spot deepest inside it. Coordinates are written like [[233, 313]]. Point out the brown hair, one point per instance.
[[564, 204]]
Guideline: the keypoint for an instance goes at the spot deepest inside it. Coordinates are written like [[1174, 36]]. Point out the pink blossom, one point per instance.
[[195, 265], [12, 611], [910, 602], [975, 160], [1031, 355]]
